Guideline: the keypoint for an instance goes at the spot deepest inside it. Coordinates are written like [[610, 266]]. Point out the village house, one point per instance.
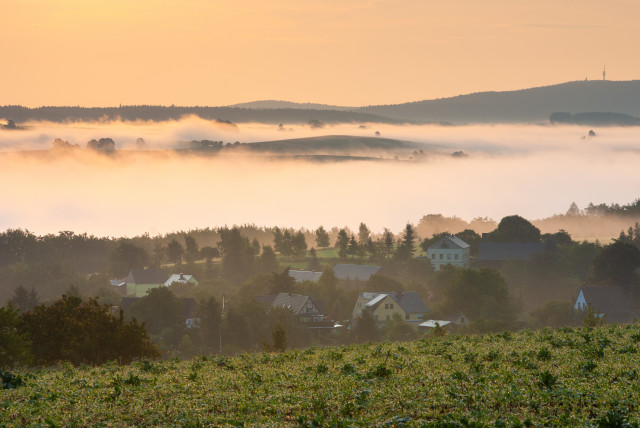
[[307, 309], [304, 275], [449, 250], [139, 281], [181, 278], [493, 254], [383, 306], [355, 272], [610, 302], [344, 272]]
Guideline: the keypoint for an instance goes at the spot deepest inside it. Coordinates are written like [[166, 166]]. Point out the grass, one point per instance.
[[566, 377]]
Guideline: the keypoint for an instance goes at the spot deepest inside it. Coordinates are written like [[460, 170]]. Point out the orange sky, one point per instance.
[[356, 52]]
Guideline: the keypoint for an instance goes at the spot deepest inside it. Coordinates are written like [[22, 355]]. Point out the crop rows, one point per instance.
[[566, 377]]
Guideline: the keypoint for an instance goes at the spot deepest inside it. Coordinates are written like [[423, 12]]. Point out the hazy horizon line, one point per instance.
[[237, 105]]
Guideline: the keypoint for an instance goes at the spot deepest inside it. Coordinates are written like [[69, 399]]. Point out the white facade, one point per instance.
[[449, 250], [581, 302]]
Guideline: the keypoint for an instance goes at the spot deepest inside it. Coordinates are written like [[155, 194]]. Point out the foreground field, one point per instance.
[[567, 377]]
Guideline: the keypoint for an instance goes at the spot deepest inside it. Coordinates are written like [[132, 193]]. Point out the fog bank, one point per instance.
[[533, 171]]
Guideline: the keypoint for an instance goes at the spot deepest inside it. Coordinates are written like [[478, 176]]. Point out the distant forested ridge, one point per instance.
[[230, 115], [595, 118], [525, 105]]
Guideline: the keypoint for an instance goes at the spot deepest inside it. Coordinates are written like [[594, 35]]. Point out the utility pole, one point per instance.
[[221, 318], [604, 72]]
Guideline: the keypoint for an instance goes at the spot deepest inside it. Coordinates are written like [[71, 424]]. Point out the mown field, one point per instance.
[[566, 377]]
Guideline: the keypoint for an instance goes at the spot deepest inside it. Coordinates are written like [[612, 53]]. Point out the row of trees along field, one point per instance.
[[241, 263]]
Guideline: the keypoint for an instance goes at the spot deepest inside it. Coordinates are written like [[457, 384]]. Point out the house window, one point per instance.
[[448, 256], [386, 306], [390, 305], [441, 256], [406, 316], [388, 317], [433, 256], [376, 317], [457, 256]]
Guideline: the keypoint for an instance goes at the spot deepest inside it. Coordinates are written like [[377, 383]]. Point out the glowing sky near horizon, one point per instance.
[[358, 52]]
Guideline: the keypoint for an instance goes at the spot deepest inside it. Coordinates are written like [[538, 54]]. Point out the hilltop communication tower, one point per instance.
[[604, 72]]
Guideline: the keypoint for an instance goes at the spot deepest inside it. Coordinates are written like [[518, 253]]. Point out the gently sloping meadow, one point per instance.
[[566, 377]]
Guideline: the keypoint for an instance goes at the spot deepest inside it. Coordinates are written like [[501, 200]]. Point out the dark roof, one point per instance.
[[295, 302], [409, 301], [147, 276], [500, 251], [606, 299], [451, 242], [304, 275], [357, 272]]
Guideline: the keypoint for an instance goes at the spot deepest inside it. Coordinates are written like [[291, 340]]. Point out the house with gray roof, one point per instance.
[[449, 250], [495, 253], [307, 309], [139, 281], [610, 302], [355, 272], [305, 275], [408, 304]]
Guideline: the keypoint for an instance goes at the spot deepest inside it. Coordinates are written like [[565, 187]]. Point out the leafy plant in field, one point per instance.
[[544, 354], [379, 371], [322, 368], [547, 380], [588, 366], [10, 381], [132, 380]]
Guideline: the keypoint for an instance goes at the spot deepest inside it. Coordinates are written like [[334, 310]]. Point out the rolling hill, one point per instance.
[[527, 105], [521, 106], [328, 148]]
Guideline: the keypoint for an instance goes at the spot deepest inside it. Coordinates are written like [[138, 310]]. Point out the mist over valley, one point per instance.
[[301, 175]]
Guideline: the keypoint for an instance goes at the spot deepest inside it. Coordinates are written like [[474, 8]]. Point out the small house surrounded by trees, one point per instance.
[[355, 272], [305, 275], [610, 302], [139, 281], [307, 309], [383, 306], [493, 254], [449, 250]]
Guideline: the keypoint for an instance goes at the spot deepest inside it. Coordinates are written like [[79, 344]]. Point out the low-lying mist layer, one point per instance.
[[530, 170]]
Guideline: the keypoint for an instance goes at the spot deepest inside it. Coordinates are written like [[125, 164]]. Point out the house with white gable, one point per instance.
[[449, 250], [610, 302], [407, 304]]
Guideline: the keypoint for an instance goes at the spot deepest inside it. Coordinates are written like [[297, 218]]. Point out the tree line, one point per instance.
[[239, 267]]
